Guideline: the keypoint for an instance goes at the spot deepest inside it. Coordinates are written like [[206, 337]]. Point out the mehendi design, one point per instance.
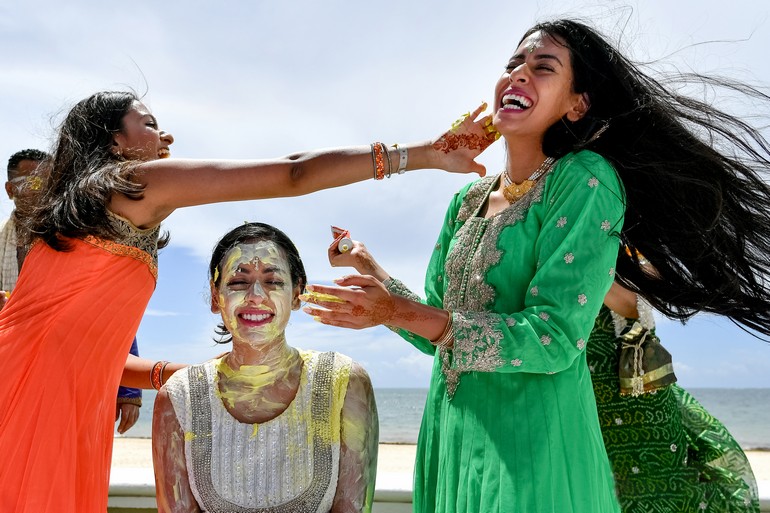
[[450, 142]]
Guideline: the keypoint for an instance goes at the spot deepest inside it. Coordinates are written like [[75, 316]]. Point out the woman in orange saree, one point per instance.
[[66, 330]]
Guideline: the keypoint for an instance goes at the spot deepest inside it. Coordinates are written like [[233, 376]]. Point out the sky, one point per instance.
[[258, 79]]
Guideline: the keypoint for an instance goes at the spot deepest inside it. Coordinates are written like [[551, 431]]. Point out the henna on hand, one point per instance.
[[458, 136], [449, 142]]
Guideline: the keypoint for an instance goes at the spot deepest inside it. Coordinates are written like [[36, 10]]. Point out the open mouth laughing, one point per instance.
[[513, 101]]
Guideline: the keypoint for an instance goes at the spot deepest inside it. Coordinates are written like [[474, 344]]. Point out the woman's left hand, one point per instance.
[[362, 302]]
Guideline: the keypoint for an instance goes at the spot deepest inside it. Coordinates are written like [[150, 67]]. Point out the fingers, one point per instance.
[[323, 295], [129, 414], [479, 169], [460, 122], [481, 108], [356, 280], [122, 428], [336, 318]]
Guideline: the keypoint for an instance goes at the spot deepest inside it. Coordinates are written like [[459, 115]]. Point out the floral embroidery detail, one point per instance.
[[702, 506], [635, 470], [612, 271], [534, 291], [544, 316], [606, 225], [581, 344], [673, 447], [516, 362], [545, 340], [437, 247], [396, 286], [618, 421], [476, 347], [593, 182], [561, 222], [582, 299], [510, 321], [478, 332], [569, 258], [475, 196], [591, 368]]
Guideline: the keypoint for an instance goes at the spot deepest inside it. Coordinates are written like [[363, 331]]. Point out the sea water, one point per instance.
[[744, 411]]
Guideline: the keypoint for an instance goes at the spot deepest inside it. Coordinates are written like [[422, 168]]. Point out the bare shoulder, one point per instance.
[[358, 376], [162, 400]]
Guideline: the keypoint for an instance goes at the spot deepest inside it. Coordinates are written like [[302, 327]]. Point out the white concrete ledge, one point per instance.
[[132, 490]]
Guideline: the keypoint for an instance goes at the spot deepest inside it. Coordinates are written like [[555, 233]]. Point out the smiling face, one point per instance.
[[140, 138], [536, 89], [255, 294]]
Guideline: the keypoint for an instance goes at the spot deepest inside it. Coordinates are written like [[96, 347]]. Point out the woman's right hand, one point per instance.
[[457, 148], [358, 258]]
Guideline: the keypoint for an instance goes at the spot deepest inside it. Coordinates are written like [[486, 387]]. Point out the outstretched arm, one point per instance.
[[176, 183], [358, 446], [172, 484]]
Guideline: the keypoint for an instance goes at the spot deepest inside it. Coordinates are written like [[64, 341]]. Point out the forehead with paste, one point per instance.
[[249, 255]]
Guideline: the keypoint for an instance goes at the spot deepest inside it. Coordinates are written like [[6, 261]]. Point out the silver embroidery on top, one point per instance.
[[396, 286], [322, 458]]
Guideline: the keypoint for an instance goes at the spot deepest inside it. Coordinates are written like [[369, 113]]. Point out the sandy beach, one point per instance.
[[136, 452]]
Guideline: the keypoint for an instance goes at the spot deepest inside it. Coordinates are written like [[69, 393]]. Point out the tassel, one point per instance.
[[637, 380]]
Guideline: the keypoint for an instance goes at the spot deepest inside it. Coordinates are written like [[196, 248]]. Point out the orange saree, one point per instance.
[[64, 336]]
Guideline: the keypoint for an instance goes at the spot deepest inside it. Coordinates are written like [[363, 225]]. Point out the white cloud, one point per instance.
[[264, 79]]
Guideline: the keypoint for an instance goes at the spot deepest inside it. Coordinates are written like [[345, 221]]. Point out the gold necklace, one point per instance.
[[513, 191]]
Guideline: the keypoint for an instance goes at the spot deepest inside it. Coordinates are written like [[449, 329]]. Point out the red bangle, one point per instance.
[[156, 374], [379, 161]]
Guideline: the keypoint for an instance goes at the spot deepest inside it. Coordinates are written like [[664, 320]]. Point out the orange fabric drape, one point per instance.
[[64, 336]]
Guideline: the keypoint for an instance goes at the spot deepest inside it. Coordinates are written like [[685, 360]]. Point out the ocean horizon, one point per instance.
[[744, 411]]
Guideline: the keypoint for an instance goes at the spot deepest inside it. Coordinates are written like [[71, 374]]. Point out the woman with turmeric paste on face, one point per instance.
[[267, 427], [66, 330]]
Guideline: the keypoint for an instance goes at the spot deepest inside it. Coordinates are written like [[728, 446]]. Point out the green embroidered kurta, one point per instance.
[[668, 453], [510, 423]]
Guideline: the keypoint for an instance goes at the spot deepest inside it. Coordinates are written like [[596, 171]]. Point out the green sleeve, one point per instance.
[[580, 216], [434, 286]]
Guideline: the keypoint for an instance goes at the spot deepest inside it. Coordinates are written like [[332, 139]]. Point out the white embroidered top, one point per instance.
[[287, 464]]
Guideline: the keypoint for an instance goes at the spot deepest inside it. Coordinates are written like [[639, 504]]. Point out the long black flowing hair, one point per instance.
[[697, 207]]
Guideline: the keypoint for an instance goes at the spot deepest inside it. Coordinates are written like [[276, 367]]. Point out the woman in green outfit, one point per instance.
[[666, 451], [597, 152]]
